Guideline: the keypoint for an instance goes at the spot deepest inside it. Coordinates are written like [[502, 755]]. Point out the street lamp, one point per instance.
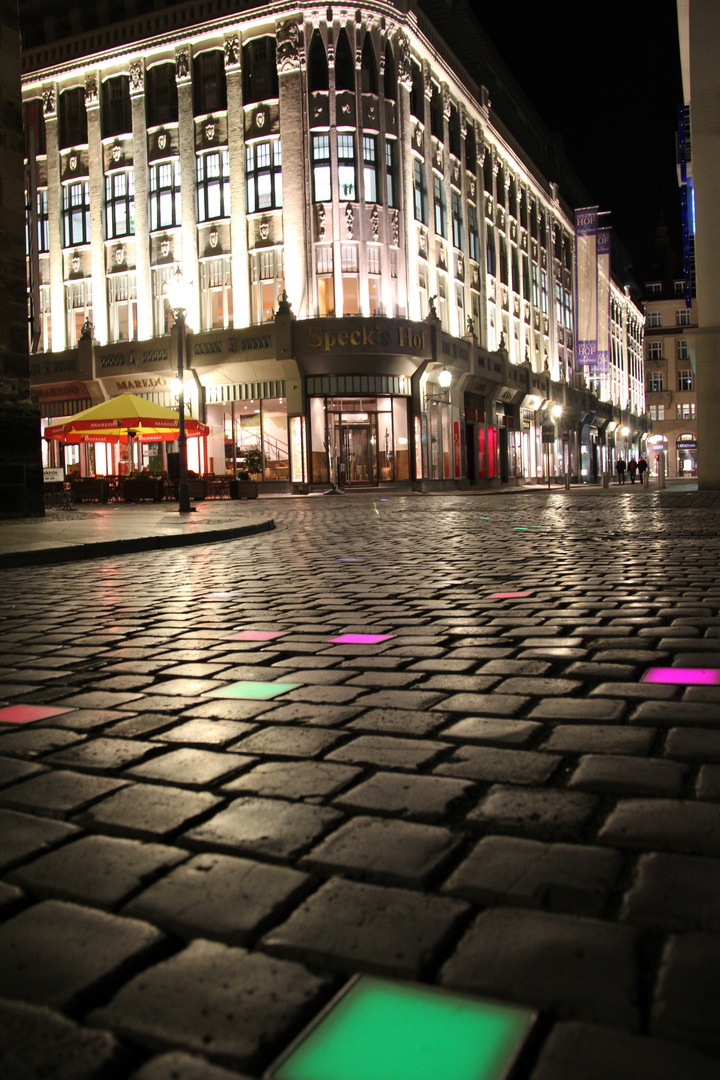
[[179, 292], [444, 378]]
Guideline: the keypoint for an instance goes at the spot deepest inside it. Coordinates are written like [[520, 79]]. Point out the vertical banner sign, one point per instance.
[[586, 285], [602, 366], [456, 444]]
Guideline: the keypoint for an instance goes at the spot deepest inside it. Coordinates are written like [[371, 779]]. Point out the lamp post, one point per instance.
[[177, 291]]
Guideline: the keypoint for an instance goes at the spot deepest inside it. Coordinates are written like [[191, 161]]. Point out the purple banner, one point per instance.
[[586, 285], [603, 330]]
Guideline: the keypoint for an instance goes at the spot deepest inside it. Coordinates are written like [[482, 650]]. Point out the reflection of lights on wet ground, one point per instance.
[[219, 595], [28, 714], [252, 691], [679, 676], [381, 1030], [360, 639]]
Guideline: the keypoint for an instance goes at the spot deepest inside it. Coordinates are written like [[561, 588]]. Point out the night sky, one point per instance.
[[612, 93]]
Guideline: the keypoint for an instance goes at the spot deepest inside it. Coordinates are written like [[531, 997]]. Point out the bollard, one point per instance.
[[567, 481], [606, 479]]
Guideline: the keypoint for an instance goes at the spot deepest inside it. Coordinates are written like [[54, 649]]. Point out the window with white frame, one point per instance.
[[439, 205], [422, 288], [76, 214], [420, 197], [653, 320], [685, 379], [163, 315], [78, 301], [263, 176], [652, 410], [535, 285], [119, 204], [544, 291], [442, 304], [165, 202], [475, 308], [568, 309], [681, 350], [324, 267], [682, 317], [347, 184], [322, 191], [460, 303], [558, 303], [457, 222], [374, 280], [655, 350], [473, 241], [350, 280], [661, 412], [653, 288], [680, 287], [370, 168], [43, 231], [44, 345], [213, 185], [122, 307], [268, 282], [215, 293], [655, 381], [686, 410], [391, 173]]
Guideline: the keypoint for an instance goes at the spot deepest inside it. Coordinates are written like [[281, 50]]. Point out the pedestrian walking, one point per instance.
[[632, 469], [620, 467], [642, 469]]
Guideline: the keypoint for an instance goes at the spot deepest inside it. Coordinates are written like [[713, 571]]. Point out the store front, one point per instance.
[[686, 450], [359, 441]]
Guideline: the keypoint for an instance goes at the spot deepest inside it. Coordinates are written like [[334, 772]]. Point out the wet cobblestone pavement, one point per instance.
[[488, 796]]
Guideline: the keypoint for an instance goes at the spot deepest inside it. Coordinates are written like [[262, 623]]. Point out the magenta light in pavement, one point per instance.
[[257, 635], [28, 714], [683, 676], [360, 639]]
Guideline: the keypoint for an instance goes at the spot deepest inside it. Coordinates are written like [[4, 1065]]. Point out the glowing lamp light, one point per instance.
[[678, 676], [625, 432], [376, 1029], [556, 411], [178, 292], [444, 378]]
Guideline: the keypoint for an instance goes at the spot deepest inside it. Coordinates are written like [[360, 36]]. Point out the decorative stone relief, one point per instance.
[[91, 91], [381, 59], [165, 248], [404, 66], [119, 254], [418, 135], [288, 46], [321, 221], [48, 98], [476, 275], [480, 144], [350, 221], [75, 263], [358, 57], [422, 243], [331, 52], [463, 121], [136, 77], [460, 268], [116, 152], [471, 188], [162, 140], [456, 172], [345, 108], [210, 130], [427, 80], [395, 225], [264, 229], [375, 222], [439, 158], [372, 112], [182, 63], [260, 118], [231, 49], [213, 237], [447, 101]]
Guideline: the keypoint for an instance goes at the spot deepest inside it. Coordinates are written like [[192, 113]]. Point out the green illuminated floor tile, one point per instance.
[[381, 1030], [254, 691]]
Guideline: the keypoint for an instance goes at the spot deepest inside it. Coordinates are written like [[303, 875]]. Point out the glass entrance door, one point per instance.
[[357, 454]]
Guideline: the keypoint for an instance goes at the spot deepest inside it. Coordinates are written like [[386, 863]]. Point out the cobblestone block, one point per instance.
[[226, 709], [206, 732], [635, 690], [612, 672], [576, 1051], [88, 719], [573, 967], [384, 751], [676, 892], [548, 814], [180, 1066], [612, 774], [695, 745], [148, 811], [97, 870], [191, 767], [485, 763], [422, 797], [137, 727], [220, 897], [485, 730], [539, 686], [691, 828], [39, 1044], [393, 852], [103, 754], [23, 835], [351, 926], [236, 1007], [12, 770], [299, 712], [400, 699], [600, 739], [289, 741], [589, 710], [59, 793], [33, 743], [305, 780], [686, 1005], [99, 699], [274, 828], [484, 704], [560, 877], [708, 783], [398, 722], [62, 955]]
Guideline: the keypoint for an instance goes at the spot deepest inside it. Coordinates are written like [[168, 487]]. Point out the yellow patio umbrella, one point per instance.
[[123, 416]]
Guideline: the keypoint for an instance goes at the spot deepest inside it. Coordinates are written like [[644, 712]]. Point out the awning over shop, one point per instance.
[[123, 417]]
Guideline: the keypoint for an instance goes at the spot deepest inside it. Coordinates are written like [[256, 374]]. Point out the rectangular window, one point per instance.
[[213, 185], [457, 222], [165, 203], [322, 191], [661, 412], [686, 411], [473, 241], [653, 412], [349, 267], [681, 350], [568, 310], [370, 163], [119, 204], [653, 320], [655, 381], [440, 208], [682, 317], [685, 379], [76, 214], [347, 190], [420, 198], [43, 233], [653, 288], [373, 260], [216, 294], [391, 172], [326, 287], [558, 303], [163, 315], [78, 300], [268, 282], [535, 286], [655, 350], [263, 176], [544, 290], [122, 307], [680, 287]]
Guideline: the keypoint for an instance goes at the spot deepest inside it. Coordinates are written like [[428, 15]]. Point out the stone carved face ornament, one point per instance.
[[73, 162], [116, 152], [260, 118], [162, 140], [210, 131], [264, 230], [75, 263], [213, 238], [164, 248], [119, 254]]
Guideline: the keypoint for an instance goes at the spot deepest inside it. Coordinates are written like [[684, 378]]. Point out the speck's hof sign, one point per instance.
[[357, 335]]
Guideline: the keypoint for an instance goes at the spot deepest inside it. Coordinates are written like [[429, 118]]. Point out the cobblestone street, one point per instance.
[[231, 803]]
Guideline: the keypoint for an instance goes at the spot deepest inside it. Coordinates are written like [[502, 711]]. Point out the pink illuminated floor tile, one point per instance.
[[507, 595], [683, 676], [257, 635], [27, 714], [219, 595], [360, 639]]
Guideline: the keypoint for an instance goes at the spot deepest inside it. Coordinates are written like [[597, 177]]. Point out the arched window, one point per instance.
[[390, 77], [368, 69], [317, 65], [344, 64], [260, 78], [161, 99]]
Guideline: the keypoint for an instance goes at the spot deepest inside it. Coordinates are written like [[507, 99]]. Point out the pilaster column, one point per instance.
[[95, 179], [409, 133], [57, 285], [188, 258], [236, 151], [293, 125], [146, 329]]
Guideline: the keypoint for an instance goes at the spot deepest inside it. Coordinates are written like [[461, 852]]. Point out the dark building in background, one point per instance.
[[21, 478]]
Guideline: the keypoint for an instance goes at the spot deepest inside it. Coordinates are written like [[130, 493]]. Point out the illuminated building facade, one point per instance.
[[355, 218]]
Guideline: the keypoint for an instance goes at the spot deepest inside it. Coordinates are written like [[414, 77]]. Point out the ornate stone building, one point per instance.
[[356, 219]]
